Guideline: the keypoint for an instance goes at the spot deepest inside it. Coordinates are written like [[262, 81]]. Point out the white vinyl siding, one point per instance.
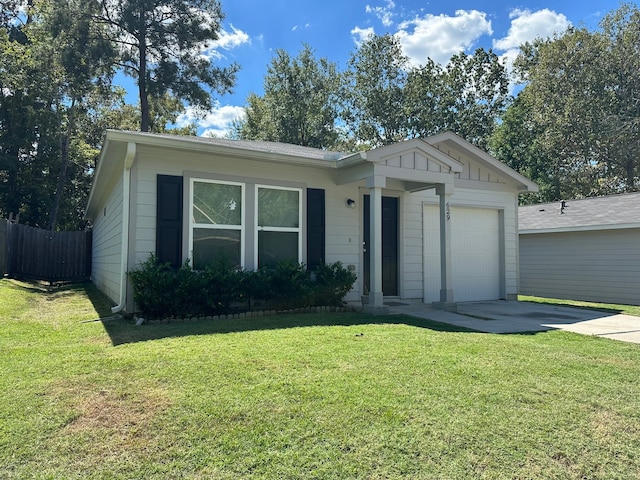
[[107, 246], [599, 266]]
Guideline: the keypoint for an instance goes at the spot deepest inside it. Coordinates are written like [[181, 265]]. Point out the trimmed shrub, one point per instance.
[[161, 291], [222, 287], [288, 285], [153, 283], [332, 283]]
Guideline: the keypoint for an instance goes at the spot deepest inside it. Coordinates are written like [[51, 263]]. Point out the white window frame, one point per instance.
[[259, 228], [243, 214]]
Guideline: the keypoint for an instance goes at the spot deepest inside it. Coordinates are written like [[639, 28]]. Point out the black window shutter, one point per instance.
[[315, 228], [169, 220]]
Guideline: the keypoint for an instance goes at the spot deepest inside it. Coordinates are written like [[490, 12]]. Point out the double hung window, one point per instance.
[[278, 224], [217, 216]]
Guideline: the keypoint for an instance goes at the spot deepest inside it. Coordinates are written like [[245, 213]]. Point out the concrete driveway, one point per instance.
[[512, 317]]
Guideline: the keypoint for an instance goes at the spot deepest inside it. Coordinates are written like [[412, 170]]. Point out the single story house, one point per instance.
[[432, 219], [586, 249]]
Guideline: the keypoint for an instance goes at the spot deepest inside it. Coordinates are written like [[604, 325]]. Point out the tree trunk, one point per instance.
[[142, 76], [64, 159], [630, 168]]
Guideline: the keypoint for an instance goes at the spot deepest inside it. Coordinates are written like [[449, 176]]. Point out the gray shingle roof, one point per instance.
[[603, 212], [261, 146]]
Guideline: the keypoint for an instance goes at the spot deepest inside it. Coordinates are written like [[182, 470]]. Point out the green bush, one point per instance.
[[285, 285], [153, 286], [332, 283], [222, 287], [161, 291]]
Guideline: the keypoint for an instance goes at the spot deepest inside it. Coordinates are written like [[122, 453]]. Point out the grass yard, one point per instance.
[[607, 307], [327, 396]]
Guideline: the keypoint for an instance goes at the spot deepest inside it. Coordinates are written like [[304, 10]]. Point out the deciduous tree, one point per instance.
[[582, 104], [299, 102], [374, 107]]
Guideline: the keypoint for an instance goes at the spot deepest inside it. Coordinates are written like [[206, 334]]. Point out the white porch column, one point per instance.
[[445, 190], [376, 300]]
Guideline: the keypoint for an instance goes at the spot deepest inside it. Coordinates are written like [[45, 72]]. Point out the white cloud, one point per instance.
[[384, 14], [228, 40], [440, 36], [214, 123], [526, 26], [297, 27], [361, 34]]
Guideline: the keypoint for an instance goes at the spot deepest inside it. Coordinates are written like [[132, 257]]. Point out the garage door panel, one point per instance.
[[475, 254]]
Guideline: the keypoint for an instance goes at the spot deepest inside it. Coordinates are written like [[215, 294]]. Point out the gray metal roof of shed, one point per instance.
[[596, 213]]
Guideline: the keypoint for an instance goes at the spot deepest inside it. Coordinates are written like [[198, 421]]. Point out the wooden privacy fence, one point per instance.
[[38, 254]]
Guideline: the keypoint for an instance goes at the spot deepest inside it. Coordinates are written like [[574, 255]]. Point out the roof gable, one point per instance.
[[478, 164], [416, 155]]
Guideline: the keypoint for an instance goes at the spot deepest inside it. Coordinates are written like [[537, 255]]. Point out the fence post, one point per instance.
[[11, 243], [4, 246]]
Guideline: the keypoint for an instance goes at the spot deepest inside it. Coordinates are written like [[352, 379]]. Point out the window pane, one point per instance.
[[211, 245], [276, 246], [217, 203], [278, 208]]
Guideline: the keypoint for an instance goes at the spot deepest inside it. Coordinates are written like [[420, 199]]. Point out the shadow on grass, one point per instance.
[[99, 300], [122, 331]]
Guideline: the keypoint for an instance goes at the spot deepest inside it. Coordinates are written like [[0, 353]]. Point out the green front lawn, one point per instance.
[[304, 396]]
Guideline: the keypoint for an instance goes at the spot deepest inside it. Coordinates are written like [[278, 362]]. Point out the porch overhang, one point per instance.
[[416, 166], [413, 181]]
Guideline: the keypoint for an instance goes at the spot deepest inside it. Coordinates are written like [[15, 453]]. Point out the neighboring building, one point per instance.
[[587, 250], [432, 219]]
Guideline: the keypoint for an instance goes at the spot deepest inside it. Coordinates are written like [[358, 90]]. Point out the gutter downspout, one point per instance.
[[126, 183]]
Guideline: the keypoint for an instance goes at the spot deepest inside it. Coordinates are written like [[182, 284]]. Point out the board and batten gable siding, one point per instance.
[[107, 245], [472, 171], [589, 265], [341, 223]]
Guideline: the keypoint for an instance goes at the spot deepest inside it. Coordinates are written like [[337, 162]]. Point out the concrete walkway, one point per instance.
[[514, 317]]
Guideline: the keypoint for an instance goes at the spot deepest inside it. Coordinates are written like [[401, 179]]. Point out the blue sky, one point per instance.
[[254, 29]]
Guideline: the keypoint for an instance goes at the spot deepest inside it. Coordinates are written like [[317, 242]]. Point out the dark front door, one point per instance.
[[389, 245]]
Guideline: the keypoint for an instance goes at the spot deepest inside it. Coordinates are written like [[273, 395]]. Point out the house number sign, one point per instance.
[[448, 211]]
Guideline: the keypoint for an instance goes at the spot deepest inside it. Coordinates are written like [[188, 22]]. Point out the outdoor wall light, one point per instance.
[[351, 203]]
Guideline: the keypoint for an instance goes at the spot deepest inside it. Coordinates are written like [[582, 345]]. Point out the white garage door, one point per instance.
[[475, 249]]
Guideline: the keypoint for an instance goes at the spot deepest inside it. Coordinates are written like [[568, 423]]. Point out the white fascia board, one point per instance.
[[581, 228], [88, 215], [189, 144]]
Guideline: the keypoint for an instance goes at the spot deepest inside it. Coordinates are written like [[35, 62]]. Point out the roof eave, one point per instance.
[[579, 228], [192, 144]]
